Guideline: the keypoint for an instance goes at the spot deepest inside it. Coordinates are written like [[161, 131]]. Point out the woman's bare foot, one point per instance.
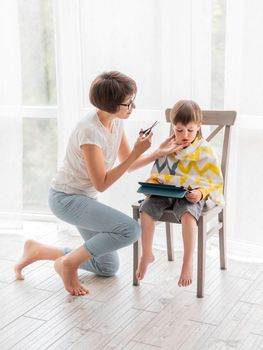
[[186, 277], [144, 262], [32, 252], [69, 276]]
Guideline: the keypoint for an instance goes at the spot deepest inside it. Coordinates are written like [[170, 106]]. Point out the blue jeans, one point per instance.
[[103, 229]]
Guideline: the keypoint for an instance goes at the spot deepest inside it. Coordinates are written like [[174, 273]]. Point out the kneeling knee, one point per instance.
[[110, 270]]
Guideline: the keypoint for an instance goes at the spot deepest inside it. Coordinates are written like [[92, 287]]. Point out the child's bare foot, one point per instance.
[[144, 262], [69, 277], [186, 275], [32, 252]]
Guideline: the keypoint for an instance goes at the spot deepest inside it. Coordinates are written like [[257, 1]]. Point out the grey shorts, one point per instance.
[[154, 206]]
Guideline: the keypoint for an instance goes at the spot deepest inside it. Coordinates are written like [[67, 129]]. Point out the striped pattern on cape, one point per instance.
[[193, 167]]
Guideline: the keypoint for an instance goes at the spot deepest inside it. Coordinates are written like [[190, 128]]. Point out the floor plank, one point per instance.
[[38, 313]]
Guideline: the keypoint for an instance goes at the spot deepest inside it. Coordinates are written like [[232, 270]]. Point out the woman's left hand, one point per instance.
[[169, 146], [194, 196]]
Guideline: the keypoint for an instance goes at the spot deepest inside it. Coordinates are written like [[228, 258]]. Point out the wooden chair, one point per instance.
[[222, 120]]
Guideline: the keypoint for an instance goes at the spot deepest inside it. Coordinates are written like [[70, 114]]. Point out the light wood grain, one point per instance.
[[37, 313]]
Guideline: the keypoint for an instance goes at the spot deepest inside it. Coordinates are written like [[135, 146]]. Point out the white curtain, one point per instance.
[[166, 47], [243, 92], [10, 118]]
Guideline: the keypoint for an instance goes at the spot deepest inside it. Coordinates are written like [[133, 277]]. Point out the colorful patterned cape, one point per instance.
[[193, 167]]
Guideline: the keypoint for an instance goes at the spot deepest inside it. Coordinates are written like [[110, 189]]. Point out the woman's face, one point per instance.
[[126, 107], [185, 134]]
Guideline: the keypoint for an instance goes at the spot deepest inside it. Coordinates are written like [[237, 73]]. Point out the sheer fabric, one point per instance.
[[10, 118]]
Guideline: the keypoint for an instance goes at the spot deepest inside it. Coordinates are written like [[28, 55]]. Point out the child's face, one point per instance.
[[185, 134]]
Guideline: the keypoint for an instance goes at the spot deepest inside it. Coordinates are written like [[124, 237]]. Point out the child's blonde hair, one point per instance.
[[185, 112]]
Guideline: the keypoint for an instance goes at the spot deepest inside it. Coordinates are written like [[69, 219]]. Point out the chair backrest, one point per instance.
[[223, 120]]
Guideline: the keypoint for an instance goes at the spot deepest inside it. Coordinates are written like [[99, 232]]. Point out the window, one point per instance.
[[36, 29], [39, 161]]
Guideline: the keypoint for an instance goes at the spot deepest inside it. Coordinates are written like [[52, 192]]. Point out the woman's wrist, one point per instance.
[[157, 153], [135, 154]]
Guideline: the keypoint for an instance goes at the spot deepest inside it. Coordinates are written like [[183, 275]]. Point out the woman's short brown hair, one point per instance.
[[110, 89]]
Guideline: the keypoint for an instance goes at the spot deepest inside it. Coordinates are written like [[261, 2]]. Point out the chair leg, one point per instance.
[[169, 241], [136, 250], [222, 239], [201, 252]]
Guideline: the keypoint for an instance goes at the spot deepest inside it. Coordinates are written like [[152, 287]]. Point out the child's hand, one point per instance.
[[194, 196], [169, 146]]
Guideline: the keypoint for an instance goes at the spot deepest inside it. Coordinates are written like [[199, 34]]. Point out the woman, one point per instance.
[[88, 167]]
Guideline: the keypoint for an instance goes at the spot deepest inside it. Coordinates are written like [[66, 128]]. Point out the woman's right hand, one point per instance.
[[142, 144]]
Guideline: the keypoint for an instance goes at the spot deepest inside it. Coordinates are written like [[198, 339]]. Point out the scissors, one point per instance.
[[147, 131]]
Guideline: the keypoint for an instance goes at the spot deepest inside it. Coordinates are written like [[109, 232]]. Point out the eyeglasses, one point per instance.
[[128, 104]]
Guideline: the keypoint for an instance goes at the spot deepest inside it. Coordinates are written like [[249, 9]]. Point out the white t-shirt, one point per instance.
[[73, 177]]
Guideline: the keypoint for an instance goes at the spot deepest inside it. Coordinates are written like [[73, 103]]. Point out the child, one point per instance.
[[194, 166]]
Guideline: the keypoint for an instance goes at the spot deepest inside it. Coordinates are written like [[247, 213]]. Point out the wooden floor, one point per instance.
[[37, 313]]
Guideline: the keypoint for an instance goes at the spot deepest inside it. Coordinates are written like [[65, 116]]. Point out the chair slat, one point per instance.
[[213, 117]]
